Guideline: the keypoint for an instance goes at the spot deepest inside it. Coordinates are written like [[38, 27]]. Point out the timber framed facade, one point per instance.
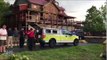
[[44, 13]]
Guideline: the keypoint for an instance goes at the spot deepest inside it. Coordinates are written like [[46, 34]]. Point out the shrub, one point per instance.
[[17, 57]]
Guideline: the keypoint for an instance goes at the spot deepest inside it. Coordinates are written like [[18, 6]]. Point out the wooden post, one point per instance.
[[56, 23], [62, 22], [66, 24], [26, 18]]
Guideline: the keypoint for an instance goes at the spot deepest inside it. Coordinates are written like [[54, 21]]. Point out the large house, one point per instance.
[[43, 13]]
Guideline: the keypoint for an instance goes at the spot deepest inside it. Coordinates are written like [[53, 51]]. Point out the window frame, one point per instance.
[[48, 31], [54, 31]]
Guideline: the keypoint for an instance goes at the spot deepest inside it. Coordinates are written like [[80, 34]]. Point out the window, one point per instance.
[[55, 31], [34, 6], [65, 32], [30, 17], [32, 13], [23, 7], [48, 31]]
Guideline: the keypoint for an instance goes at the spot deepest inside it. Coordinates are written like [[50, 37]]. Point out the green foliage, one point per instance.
[[4, 8], [16, 57], [103, 11], [94, 21]]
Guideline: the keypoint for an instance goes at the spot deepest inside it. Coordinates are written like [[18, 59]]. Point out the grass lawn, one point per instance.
[[89, 52]]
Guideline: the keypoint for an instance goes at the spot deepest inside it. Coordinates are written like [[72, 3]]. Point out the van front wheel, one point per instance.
[[76, 42], [52, 43]]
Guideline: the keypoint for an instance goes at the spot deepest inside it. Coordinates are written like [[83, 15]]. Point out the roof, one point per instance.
[[70, 17], [40, 2], [61, 8], [17, 2], [50, 28], [65, 15]]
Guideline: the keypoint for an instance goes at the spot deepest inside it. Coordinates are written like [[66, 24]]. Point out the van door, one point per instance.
[[56, 35], [64, 36], [70, 37]]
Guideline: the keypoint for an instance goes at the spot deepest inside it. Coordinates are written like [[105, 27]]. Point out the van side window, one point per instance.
[[48, 31], [55, 31]]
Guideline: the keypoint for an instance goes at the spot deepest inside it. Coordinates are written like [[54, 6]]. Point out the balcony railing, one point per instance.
[[55, 22]]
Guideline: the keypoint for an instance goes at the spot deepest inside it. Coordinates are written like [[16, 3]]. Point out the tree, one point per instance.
[[94, 21], [103, 11], [4, 8]]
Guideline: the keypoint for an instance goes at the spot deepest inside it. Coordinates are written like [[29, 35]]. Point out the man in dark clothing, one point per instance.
[[21, 38], [16, 36], [10, 38]]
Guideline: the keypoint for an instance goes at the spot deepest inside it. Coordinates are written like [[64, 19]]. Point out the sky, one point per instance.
[[77, 8]]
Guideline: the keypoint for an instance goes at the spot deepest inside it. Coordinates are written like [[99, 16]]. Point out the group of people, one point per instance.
[[14, 37]]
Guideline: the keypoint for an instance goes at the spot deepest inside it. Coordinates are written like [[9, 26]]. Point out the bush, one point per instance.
[[16, 57]]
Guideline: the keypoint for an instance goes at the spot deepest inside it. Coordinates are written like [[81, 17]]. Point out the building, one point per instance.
[[43, 13]]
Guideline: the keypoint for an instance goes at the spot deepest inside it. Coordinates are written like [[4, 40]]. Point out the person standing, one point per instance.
[[10, 38], [3, 38], [16, 36], [31, 40], [21, 38]]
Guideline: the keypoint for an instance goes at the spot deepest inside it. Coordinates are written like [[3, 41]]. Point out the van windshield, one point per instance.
[[66, 32]]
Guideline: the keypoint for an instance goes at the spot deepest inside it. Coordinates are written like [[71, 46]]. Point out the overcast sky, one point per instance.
[[77, 8]]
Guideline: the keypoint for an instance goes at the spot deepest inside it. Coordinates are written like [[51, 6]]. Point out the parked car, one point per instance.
[[53, 36], [79, 33]]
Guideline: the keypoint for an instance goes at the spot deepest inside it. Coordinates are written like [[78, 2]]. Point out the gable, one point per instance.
[[50, 8]]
